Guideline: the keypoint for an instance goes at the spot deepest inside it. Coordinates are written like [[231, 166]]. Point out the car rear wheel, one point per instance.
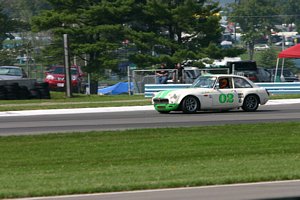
[[251, 103], [190, 104]]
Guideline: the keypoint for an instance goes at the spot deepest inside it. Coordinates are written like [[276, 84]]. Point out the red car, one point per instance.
[[55, 77]]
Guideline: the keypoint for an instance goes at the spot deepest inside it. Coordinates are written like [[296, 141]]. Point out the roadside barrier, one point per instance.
[[273, 88], [282, 87], [14, 91]]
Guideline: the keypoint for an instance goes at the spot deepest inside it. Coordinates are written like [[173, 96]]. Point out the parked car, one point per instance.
[[286, 43], [258, 75], [55, 77], [212, 92], [261, 47], [288, 75], [190, 74], [249, 69], [12, 72]]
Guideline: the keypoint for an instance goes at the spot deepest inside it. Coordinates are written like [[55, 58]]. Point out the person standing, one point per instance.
[[179, 69], [162, 74]]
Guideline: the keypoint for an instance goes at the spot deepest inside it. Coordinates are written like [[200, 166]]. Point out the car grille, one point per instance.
[[157, 101]]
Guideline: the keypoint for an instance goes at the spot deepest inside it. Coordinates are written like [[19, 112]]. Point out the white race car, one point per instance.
[[213, 92]]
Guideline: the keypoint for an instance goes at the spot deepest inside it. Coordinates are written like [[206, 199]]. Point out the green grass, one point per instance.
[[285, 96], [149, 158], [60, 101]]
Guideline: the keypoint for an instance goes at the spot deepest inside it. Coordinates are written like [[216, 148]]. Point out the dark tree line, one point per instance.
[[145, 32], [101, 30]]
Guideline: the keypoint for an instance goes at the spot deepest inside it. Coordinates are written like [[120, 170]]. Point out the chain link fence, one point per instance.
[[142, 77]]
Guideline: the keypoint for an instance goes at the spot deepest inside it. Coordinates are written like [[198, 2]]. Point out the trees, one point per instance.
[[290, 10], [7, 27], [175, 29], [183, 28], [256, 18], [23, 9]]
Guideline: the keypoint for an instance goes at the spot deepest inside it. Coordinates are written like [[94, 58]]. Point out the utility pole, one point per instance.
[[67, 67], [88, 88]]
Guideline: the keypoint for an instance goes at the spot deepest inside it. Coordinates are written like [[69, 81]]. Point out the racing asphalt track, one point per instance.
[[134, 117], [111, 109]]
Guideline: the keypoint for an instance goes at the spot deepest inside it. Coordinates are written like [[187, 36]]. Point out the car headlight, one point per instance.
[[74, 78], [173, 98], [50, 77]]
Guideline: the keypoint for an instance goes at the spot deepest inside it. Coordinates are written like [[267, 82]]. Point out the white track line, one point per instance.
[[158, 190], [110, 109]]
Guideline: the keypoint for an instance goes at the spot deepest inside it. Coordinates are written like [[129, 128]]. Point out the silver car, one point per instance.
[[11, 73]]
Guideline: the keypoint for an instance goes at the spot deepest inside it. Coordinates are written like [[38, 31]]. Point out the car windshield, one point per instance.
[[61, 70], [204, 82], [10, 71]]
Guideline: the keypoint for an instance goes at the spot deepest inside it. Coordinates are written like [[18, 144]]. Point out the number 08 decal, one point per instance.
[[229, 98]]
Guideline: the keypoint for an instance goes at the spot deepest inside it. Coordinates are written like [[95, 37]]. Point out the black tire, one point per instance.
[[3, 92], [190, 104], [41, 85], [251, 103], [41, 91], [23, 93], [35, 94]]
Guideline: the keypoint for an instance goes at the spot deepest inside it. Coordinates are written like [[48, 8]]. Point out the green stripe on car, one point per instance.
[[163, 94]]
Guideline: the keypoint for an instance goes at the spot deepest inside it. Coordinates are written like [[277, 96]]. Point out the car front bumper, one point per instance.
[[166, 107]]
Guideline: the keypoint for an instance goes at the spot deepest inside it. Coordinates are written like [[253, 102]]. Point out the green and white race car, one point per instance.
[[213, 92]]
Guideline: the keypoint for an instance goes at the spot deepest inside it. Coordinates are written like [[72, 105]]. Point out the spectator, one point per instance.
[[179, 69], [162, 74]]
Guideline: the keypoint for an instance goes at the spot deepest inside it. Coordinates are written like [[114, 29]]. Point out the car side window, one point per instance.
[[224, 83], [241, 83]]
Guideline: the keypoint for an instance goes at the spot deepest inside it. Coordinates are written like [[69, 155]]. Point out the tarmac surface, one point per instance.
[[110, 109]]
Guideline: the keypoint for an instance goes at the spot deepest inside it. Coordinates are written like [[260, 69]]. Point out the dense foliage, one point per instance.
[[109, 34], [257, 18], [133, 30], [7, 27]]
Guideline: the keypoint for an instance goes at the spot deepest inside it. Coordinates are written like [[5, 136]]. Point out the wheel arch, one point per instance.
[[190, 95], [251, 105], [254, 94]]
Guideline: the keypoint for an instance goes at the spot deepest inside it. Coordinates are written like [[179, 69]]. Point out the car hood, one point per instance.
[[4, 77], [169, 93], [58, 75]]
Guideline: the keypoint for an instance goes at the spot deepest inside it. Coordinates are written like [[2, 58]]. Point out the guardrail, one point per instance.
[[273, 88], [281, 87]]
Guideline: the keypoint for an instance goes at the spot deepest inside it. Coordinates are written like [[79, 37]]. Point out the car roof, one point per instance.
[[61, 66], [12, 67], [223, 75]]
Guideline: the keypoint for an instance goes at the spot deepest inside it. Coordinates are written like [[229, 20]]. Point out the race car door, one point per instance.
[[224, 96]]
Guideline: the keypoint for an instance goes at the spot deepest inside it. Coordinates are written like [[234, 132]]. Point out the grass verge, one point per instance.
[[59, 101], [108, 161]]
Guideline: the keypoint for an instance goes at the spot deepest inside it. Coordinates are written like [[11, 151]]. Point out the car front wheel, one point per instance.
[[251, 103], [190, 104]]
